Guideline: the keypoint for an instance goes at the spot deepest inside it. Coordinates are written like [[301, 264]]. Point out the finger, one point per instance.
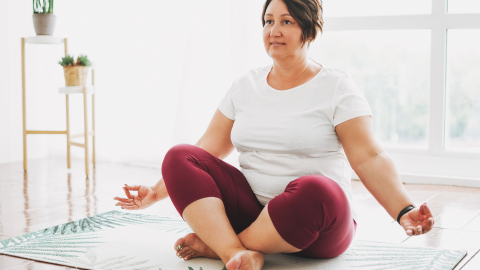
[[428, 226], [123, 199], [428, 222], [418, 230], [125, 204], [134, 188], [410, 230], [131, 207], [128, 193], [425, 210]]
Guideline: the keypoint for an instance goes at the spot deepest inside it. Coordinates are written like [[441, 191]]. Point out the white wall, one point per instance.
[[4, 81], [161, 69]]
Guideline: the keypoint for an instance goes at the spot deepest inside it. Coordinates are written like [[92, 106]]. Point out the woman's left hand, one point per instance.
[[418, 220]]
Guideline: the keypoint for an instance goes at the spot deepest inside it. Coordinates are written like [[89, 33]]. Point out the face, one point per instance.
[[282, 35]]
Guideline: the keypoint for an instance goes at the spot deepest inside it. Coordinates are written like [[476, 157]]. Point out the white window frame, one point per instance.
[[439, 21]]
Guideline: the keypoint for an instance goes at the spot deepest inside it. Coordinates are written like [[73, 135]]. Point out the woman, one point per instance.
[[297, 124]]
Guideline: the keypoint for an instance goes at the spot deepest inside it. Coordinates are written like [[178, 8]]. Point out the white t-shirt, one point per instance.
[[285, 134]]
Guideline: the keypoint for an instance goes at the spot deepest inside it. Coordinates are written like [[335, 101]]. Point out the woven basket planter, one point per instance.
[[75, 75]]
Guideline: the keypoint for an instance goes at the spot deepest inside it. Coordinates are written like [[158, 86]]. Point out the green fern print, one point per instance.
[[74, 243], [83, 235]]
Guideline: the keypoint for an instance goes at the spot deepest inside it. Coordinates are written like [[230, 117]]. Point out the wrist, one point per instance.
[[404, 211], [160, 190]]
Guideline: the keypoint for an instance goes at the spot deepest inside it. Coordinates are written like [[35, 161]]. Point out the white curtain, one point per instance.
[[161, 67]]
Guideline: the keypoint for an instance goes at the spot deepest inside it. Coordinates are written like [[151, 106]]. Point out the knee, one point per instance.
[[179, 150], [175, 154], [319, 187]]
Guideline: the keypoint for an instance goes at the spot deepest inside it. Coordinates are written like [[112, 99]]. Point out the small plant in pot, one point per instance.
[[43, 17], [75, 71]]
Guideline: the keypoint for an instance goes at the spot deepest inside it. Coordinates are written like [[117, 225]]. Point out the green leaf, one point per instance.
[[50, 6], [67, 61], [82, 60]]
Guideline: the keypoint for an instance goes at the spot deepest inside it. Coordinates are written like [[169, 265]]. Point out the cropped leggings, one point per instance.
[[312, 214]]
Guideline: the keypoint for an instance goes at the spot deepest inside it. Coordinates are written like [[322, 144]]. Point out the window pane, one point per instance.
[[342, 8], [463, 6], [392, 68], [462, 126]]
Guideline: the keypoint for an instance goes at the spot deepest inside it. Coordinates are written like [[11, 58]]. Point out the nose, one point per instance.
[[274, 32]]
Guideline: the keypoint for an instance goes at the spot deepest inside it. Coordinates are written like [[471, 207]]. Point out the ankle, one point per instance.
[[229, 254]]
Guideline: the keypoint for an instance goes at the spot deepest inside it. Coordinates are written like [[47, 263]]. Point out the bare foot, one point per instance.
[[245, 260], [192, 246]]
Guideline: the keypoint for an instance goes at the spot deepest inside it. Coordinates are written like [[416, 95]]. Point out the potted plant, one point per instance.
[[43, 18], [75, 72]]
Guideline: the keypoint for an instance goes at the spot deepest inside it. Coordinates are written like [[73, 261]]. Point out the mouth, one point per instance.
[[277, 44]]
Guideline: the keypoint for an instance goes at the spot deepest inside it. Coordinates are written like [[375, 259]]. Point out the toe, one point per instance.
[[188, 256], [183, 242], [178, 245], [184, 251]]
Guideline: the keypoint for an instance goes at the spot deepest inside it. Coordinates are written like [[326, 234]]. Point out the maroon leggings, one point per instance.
[[312, 213]]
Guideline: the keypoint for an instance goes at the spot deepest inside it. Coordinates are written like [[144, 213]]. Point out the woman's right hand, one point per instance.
[[144, 198]]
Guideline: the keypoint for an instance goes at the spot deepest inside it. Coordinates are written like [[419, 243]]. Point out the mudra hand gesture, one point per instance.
[[145, 197], [417, 221]]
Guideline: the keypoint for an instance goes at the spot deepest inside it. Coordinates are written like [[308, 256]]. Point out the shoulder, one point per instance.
[[259, 71], [252, 77], [339, 81], [334, 74]]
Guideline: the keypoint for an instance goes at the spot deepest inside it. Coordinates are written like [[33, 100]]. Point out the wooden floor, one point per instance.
[[49, 194]]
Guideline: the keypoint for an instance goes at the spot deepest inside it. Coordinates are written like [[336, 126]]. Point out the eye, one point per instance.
[[267, 21], [288, 21]]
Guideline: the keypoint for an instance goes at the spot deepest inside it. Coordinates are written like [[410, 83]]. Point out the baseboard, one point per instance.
[[410, 178]]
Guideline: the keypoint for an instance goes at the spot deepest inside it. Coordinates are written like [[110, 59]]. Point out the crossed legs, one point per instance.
[[217, 202], [208, 220]]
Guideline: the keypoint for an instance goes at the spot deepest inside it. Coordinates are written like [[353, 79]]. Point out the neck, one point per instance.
[[289, 70]]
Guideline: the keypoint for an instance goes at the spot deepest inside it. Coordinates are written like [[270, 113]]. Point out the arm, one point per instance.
[[372, 164], [216, 140], [375, 168]]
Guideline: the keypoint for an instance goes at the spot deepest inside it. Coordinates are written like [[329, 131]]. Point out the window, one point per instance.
[[418, 64], [463, 6], [343, 8], [462, 129], [392, 68]]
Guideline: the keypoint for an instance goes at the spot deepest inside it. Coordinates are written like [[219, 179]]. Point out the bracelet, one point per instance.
[[404, 211]]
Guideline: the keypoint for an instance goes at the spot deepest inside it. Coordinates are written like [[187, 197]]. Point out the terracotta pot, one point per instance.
[[44, 23]]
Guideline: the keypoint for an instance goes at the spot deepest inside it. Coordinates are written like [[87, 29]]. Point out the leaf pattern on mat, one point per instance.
[[110, 263], [171, 225], [82, 234], [73, 243], [53, 245], [375, 255], [108, 220]]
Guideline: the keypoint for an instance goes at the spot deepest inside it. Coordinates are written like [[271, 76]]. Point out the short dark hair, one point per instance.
[[308, 13]]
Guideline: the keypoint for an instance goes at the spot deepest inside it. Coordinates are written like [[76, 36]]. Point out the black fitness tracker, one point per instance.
[[404, 211]]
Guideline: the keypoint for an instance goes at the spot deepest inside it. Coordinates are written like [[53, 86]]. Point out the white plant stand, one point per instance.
[[67, 90]]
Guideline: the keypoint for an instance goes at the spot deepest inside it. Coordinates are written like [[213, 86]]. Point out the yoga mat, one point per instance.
[[118, 240]]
